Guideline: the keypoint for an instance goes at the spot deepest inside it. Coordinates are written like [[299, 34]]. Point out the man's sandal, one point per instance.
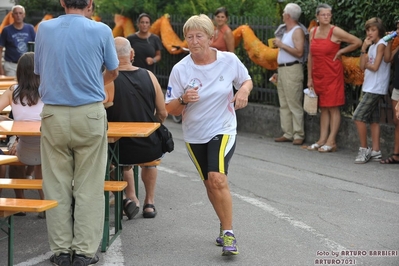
[[390, 160], [149, 214], [130, 208]]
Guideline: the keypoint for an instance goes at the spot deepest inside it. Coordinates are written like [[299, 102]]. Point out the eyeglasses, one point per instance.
[[325, 15]]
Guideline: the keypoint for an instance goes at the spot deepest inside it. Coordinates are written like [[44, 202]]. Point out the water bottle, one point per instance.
[[191, 85], [389, 37]]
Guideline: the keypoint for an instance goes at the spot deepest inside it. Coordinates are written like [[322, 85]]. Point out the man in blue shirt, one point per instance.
[[14, 38], [69, 53]]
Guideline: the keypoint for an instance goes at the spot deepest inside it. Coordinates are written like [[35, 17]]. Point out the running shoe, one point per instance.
[[376, 156], [219, 239], [229, 245], [363, 155]]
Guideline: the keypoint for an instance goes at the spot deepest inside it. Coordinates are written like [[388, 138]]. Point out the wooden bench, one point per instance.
[[11, 162], [109, 186], [8, 207], [13, 183], [8, 159]]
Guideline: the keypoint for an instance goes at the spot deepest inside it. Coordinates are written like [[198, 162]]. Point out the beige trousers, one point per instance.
[[290, 95], [74, 154]]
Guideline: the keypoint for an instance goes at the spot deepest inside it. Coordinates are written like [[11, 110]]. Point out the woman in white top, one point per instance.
[[200, 89], [25, 105]]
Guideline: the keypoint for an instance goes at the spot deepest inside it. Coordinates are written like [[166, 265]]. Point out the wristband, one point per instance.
[[154, 60]]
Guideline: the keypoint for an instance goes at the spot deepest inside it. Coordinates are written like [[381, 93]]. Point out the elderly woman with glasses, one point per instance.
[[326, 74]]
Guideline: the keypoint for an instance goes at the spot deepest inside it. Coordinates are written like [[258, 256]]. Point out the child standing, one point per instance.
[[375, 86]]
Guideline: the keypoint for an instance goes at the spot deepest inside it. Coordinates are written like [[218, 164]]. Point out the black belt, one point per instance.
[[289, 64]]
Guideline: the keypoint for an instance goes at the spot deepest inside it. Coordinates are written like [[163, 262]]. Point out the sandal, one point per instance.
[[313, 147], [149, 214], [390, 160], [326, 148], [130, 208]]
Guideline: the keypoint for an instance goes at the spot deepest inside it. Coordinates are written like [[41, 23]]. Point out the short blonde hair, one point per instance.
[[199, 22]]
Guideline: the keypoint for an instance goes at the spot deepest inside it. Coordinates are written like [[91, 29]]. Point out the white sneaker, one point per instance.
[[375, 156], [363, 155]]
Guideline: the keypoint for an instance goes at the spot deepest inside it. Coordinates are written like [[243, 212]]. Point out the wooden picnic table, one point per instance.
[[116, 130], [7, 78], [5, 84], [4, 81], [9, 207]]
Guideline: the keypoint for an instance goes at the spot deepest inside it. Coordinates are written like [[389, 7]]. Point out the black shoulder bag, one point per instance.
[[163, 132]]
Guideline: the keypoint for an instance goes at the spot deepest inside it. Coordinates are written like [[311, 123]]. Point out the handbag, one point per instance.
[[163, 132], [168, 144], [310, 101]]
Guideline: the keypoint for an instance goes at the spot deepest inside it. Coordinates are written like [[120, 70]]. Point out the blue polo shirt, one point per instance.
[[69, 53]]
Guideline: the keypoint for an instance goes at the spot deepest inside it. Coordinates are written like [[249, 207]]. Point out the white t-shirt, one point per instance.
[[377, 82], [214, 113]]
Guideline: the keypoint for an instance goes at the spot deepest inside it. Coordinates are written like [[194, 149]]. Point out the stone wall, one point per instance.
[[265, 120]]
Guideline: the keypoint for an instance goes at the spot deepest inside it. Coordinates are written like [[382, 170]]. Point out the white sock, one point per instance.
[[230, 231]]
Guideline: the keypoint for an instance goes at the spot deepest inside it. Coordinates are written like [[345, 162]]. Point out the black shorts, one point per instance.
[[213, 156]]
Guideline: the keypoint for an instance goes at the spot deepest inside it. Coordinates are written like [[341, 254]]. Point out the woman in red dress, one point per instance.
[[326, 75]]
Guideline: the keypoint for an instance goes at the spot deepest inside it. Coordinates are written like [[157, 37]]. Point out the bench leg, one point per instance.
[[11, 240], [8, 223], [118, 202], [113, 156], [136, 179], [105, 240], [106, 231]]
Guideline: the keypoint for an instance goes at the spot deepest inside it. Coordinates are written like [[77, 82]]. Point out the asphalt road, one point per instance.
[[292, 207]]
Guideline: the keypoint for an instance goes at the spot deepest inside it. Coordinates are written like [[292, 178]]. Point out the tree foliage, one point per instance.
[[351, 15], [155, 8], [131, 8], [347, 14], [42, 6]]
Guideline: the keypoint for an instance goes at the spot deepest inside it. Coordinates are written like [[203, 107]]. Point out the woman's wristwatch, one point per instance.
[[181, 101]]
